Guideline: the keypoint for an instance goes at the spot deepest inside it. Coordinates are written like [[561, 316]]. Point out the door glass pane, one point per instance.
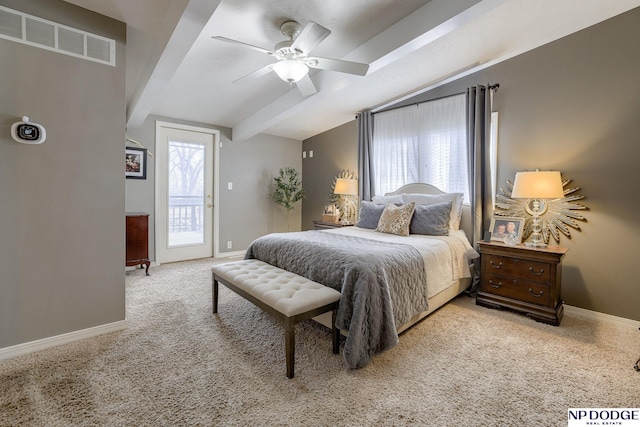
[[186, 193]]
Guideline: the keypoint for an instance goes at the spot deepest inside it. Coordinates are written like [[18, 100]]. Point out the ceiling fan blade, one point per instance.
[[250, 46], [306, 86], [254, 75], [338, 65], [310, 36]]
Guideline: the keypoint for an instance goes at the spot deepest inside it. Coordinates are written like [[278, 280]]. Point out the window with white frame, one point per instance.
[[425, 142]]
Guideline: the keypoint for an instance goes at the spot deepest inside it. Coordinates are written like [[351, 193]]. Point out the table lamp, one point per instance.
[[345, 188], [537, 186]]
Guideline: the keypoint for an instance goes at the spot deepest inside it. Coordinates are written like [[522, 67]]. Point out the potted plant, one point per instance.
[[287, 191]]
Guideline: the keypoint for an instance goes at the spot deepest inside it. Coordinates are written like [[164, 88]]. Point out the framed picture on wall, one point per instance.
[[501, 226], [135, 163]]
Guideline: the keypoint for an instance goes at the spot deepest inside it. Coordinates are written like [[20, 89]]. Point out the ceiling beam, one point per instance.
[[193, 20]]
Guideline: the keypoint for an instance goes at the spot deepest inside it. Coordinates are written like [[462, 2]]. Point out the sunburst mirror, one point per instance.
[[334, 198], [560, 216]]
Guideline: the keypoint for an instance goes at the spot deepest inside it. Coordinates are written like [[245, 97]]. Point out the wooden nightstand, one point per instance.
[[321, 225], [524, 279]]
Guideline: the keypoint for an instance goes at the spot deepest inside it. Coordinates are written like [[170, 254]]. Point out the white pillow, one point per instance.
[[432, 199], [384, 200]]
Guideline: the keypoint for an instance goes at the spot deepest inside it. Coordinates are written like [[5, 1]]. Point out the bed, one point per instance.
[[389, 280]]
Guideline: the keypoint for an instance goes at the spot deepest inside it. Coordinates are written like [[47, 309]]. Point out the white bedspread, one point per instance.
[[446, 258]]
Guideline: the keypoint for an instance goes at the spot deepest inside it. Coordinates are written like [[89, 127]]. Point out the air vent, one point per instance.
[[99, 49], [40, 33], [71, 41], [33, 31], [10, 24]]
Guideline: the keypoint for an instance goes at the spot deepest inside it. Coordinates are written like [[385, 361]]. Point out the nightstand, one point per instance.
[[321, 225], [523, 279]]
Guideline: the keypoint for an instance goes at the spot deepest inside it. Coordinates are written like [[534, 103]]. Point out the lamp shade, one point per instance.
[[537, 185], [290, 71], [346, 186]]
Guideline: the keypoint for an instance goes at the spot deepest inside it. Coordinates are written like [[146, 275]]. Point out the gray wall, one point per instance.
[[246, 212], [333, 151], [62, 202], [573, 105]]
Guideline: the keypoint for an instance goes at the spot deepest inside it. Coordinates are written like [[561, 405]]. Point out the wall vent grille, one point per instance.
[[33, 31]]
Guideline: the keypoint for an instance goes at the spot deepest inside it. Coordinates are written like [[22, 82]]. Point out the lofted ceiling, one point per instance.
[[176, 69]]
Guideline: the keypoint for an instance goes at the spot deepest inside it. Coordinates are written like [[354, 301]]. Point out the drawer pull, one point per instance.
[[534, 294], [494, 285], [536, 274], [499, 265]]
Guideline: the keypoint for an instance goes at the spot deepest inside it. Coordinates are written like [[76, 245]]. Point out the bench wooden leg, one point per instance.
[[214, 288], [290, 345], [335, 332], [289, 322]]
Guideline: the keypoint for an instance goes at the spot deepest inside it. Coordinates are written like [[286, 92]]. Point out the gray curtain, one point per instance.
[[365, 167], [478, 138]]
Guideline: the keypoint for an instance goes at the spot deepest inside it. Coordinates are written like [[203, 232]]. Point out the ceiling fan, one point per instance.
[[293, 56]]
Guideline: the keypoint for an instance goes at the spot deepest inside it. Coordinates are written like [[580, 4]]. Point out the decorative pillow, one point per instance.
[[396, 219], [369, 214], [383, 200], [430, 199], [432, 220]]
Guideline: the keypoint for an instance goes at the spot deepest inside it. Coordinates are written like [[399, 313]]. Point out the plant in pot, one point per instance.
[[287, 191]]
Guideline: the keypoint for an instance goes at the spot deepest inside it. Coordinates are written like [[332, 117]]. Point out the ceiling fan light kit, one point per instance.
[[292, 55], [290, 71]]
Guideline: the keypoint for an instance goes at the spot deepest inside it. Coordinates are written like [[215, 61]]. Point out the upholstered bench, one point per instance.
[[286, 296]]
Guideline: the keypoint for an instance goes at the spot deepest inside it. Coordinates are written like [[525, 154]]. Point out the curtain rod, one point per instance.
[[493, 87], [419, 102]]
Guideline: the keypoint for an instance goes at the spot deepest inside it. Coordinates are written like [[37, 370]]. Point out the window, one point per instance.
[[425, 142]]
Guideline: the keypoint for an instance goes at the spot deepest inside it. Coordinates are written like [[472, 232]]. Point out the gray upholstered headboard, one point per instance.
[[422, 188]]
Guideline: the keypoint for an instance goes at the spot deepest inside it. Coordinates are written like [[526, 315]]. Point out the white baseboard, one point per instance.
[[600, 317], [222, 255], [45, 343], [231, 254]]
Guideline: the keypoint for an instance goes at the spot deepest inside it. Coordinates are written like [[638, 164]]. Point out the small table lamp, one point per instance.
[[345, 188], [537, 186]]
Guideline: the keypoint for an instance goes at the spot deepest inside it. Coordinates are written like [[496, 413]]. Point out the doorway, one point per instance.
[[186, 197]]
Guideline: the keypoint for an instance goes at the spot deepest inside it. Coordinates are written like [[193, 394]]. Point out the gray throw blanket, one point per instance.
[[381, 283]]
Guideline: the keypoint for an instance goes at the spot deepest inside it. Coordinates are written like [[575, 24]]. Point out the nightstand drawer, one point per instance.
[[522, 290], [516, 267]]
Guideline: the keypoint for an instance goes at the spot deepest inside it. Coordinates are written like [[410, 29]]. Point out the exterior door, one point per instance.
[[184, 192]]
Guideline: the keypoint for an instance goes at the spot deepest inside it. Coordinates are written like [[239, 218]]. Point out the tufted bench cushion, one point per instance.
[[288, 297], [287, 292]]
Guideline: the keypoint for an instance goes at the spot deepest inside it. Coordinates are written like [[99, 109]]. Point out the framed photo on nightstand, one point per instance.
[[503, 226]]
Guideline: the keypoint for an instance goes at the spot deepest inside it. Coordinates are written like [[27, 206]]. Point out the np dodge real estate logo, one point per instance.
[[627, 417]]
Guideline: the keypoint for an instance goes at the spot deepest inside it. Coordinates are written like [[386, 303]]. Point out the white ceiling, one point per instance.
[[175, 68]]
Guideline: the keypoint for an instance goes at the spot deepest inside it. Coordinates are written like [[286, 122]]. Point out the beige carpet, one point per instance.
[[178, 364]]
